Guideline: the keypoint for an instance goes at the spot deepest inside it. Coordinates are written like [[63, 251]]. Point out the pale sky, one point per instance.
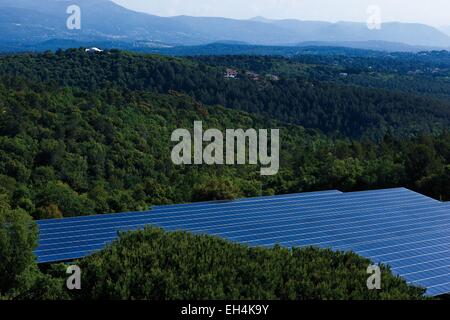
[[432, 12]]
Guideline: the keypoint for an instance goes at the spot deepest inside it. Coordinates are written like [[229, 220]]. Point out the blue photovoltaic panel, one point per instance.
[[404, 229], [55, 246], [192, 205], [248, 200]]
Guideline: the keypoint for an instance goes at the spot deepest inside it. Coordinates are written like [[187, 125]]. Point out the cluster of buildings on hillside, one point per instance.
[[233, 74], [426, 70]]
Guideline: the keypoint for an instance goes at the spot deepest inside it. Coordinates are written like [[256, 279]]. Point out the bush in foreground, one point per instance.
[[153, 264], [20, 277]]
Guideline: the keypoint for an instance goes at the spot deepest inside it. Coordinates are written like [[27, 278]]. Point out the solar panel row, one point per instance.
[[407, 230], [87, 243]]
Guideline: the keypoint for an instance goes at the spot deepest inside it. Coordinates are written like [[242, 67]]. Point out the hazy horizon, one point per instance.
[[411, 11]]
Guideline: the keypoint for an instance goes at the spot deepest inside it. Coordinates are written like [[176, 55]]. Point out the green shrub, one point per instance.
[[153, 264]]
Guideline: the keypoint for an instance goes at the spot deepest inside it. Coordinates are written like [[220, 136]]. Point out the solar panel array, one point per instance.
[[404, 229]]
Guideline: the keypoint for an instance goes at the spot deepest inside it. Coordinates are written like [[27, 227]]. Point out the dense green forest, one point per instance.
[[68, 152], [88, 134], [179, 266], [334, 108], [426, 74]]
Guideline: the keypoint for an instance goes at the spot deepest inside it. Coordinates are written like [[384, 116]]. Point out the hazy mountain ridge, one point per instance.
[[28, 22]]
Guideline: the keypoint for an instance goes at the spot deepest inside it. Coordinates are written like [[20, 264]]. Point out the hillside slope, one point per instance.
[[68, 151], [345, 110]]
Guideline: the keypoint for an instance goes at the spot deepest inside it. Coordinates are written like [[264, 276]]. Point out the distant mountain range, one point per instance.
[[445, 30], [35, 24]]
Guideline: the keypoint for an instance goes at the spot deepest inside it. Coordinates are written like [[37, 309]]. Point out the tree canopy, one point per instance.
[[88, 134], [152, 264]]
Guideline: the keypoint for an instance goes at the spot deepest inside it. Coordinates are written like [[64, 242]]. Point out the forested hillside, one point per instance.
[[70, 148], [426, 74], [67, 152], [333, 108], [90, 133]]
